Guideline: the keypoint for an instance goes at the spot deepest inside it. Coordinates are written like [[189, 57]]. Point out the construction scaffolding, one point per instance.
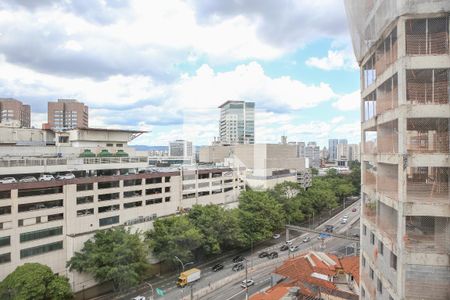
[[427, 282], [426, 135], [427, 86], [428, 184]]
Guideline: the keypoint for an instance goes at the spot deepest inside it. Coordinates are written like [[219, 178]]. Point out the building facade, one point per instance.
[[180, 148], [403, 50], [237, 122], [67, 114], [332, 149], [312, 152], [48, 221], [14, 113]]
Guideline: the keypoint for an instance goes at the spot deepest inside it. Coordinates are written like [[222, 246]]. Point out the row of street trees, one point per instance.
[[120, 256]]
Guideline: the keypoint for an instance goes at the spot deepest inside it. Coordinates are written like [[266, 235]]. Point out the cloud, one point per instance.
[[284, 23], [348, 102], [335, 60]]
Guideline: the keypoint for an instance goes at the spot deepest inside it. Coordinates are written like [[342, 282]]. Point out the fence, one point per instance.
[[428, 234]]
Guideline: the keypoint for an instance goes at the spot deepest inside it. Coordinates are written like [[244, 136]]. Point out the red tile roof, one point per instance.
[[350, 265], [274, 293]]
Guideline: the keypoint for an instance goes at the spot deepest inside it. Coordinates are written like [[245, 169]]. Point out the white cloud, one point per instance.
[[335, 60], [348, 102]]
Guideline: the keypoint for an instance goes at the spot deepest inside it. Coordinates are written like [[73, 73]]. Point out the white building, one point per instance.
[[312, 152], [180, 148], [402, 47], [237, 122]]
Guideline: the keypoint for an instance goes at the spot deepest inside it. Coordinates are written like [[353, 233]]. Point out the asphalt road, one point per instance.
[[259, 269]]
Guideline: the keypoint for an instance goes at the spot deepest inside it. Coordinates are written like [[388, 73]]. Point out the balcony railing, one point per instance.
[[432, 142], [428, 92], [34, 162], [422, 44], [428, 235], [429, 186]]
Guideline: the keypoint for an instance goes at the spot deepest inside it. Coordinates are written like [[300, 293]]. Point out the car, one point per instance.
[[46, 177], [238, 267], [284, 247], [8, 180], [344, 221], [345, 217], [28, 179], [138, 298], [263, 254], [217, 267], [289, 242], [329, 228], [276, 236], [65, 176], [272, 255], [354, 209], [238, 259], [306, 239], [293, 248], [247, 283]]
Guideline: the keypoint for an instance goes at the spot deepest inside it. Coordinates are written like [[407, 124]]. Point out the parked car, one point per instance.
[[344, 221], [276, 236], [138, 298], [329, 228], [238, 267], [345, 217], [28, 179], [284, 248], [238, 259], [263, 254], [273, 254], [289, 242], [8, 180], [247, 283], [46, 177], [306, 239], [66, 176], [217, 267], [354, 209], [293, 248]]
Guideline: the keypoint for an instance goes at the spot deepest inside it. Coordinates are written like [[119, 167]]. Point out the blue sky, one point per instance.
[[165, 66]]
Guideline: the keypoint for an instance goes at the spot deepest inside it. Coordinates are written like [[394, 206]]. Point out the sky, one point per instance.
[[166, 66]]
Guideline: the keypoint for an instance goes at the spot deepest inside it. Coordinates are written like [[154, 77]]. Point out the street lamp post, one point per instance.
[[151, 287], [246, 276], [182, 265]]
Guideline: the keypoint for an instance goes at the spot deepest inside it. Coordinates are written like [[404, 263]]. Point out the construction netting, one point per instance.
[[368, 19]]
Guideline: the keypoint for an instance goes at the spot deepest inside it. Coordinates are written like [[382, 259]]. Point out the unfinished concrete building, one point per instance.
[[402, 47]]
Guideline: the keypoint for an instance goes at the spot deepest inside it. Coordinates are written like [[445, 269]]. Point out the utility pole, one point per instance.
[[246, 286], [192, 292]]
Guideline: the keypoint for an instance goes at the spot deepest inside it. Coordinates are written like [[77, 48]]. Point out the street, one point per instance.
[[225, 284]]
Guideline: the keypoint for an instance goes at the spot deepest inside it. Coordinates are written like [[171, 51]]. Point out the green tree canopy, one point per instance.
[[289, 195], [174, 236], [219, 227], [35, 281], [115, 255], [260, 215]]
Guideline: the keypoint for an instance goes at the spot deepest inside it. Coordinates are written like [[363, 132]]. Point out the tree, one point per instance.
[[115, 255], [355, 176], [286, 190], [35, 281], [260, 215], [219, 227], [314, 171], [288, 194], [174, 236]]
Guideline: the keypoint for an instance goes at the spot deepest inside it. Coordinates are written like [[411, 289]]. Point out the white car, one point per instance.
[[289, 242], [293, 248], [276, 236], [138, 298], [8, 180], [46, 177], [245, 284], [28, 179], [306, 239], [66, 176]]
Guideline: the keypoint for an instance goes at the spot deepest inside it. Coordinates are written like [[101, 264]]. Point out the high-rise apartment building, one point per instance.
[[312, 152], [237, 122], [332, 149], [14, 113], [180, 148], [403, 50], [67, 114]]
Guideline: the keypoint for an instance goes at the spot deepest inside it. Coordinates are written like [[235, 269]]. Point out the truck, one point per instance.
[[188, 276]]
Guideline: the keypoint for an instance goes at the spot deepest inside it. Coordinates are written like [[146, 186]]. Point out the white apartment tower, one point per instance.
[[180, 148], [402, 47], [237, 122]]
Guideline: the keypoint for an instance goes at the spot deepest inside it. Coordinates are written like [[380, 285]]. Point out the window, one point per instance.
[[40, 191], [103, 209], [5, 258], [109, 145], [228, 189], [132, 182], [119, 145], [153, 201], [85, 199], [85, 187], [107, 197], [5, 194], [363, 261], [188, 196], [5, 210], [40, 205], [167, 199], [380, 247], [63, 139], [38, 220], [130, 194], [364, 230], [216, 192], [363, 292], [5, 241], [153, 191], [203, 184], [203, 176], [40, 234], [372, 238], [20, 223], [379, 286], [189, 177], [393, 261], [55, 217], [41, 249], [108, 184], [153, 180], [167, 189], [132, 204], [371, 273], [205, 193], [85, 212], [108, 221], [167, 179]]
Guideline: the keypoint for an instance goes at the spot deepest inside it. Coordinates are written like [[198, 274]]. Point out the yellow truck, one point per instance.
[[188, 276]]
